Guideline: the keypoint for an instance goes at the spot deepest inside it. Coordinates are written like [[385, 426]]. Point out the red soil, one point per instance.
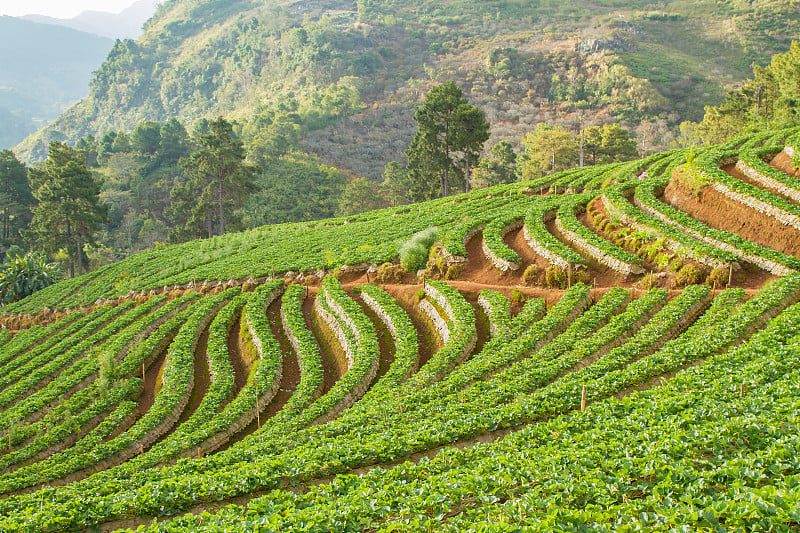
[[784, 163], [714, 209]]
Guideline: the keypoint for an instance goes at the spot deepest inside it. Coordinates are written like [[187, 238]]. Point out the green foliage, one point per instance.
[[770, 99], [15, 198], [414, 253], [547, 149], [23, 276], [220, 182], [450, 134], [69, 212]]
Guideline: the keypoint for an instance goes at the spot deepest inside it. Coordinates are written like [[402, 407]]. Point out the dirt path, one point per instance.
[[479, 269], [234, 343], [201, 381], [386, 344], [427, 338], [289, 380], [151, 377]]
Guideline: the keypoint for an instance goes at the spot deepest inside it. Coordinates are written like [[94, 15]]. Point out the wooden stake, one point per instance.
[[9, 441], [583, 399], [141, 449], [143, 376], [730, 275], [199, 453], [368, 276], [258, 414], [741, 390], [569, 276]]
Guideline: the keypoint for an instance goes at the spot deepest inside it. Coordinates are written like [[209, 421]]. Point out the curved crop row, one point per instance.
[[462, 334]]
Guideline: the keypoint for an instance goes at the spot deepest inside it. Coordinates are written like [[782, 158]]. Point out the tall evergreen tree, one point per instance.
[[219, 175], [15, 196], [447, 127], [69, 212]]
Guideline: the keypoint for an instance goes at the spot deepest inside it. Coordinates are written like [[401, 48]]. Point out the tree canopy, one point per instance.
[[450, 135], [69, 212]]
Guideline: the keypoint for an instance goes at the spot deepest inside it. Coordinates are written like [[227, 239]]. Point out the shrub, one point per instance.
[[517, 296], [25, 275], [717, 276], [647, 282], [555, 277], [688, 275], [416, 251], [675, 265], [531, 274], [453, 271]]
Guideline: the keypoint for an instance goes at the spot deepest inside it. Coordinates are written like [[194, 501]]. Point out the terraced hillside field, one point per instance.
[[614, 348]]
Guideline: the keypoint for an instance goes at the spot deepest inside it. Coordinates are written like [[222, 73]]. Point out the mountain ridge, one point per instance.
[[127, 24]]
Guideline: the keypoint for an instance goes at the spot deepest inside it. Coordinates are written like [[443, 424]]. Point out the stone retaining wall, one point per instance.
[[768, 181], [595, 252], [671, 244], [785, 218], [540, 250], [461, 258], [766, 264], [496, 260], [387, 320]]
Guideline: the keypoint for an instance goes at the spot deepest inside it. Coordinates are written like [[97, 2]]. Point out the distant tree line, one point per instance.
[[106, 197]]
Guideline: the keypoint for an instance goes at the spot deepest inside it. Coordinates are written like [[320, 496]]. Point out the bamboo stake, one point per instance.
[[583, 399], [258, 413]]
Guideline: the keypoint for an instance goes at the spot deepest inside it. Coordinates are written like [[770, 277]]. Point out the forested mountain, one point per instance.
[[371, 62], [126, 24], [43, 70]]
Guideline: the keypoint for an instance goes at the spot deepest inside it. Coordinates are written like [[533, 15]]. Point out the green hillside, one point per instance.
[[43, 70], [607, 348], [523, 62]]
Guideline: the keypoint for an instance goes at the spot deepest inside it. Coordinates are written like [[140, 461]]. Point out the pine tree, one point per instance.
[[449, 131], [15, 196], [69, 212], [221, 179]]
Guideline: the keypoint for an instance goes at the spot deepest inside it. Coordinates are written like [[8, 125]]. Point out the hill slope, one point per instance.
[[292, 402], [522, 62], [43, 70]]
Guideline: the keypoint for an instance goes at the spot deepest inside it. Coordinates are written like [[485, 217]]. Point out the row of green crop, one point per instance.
[[442, 423], [610, 254], [706, 169], [30, 351], [645, 198], [125, 349], [406, 353], [498, 309], [752, 161], [461, 323], [653, 443], [365, 354], [615, 202], [543, 242], [494, 232], [383, 423], [80, 462], [52, 362]]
